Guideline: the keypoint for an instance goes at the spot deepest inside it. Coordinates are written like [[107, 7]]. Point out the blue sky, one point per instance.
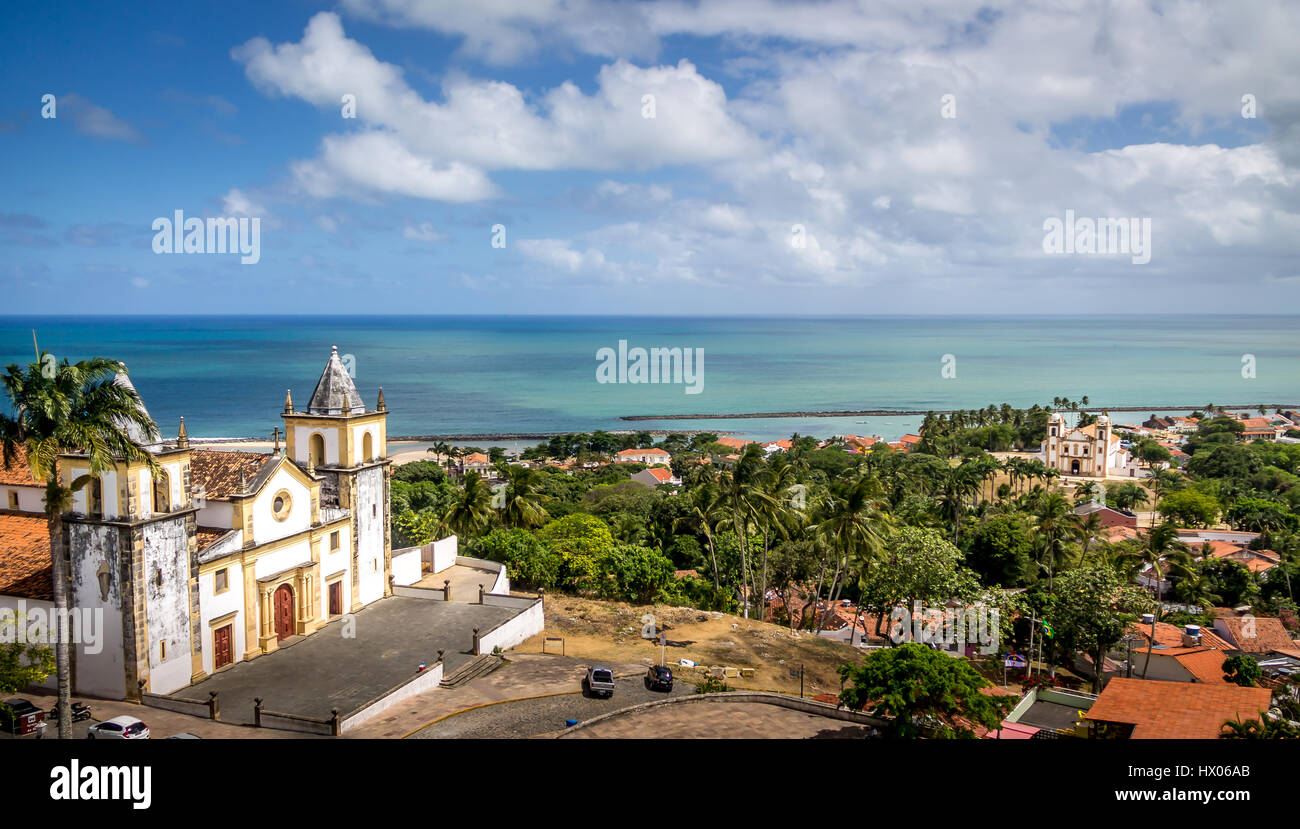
[[826, 116]]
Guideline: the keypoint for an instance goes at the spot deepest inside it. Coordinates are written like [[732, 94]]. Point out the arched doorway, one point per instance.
[[1074, 467], [282, 603], [316, 449]]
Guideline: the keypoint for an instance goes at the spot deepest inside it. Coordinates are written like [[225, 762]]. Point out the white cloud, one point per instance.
[[93, 120]]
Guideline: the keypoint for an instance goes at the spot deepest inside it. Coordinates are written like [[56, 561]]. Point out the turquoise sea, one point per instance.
[[463, 375]]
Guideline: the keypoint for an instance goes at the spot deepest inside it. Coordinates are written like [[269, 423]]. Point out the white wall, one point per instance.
[[444, 553], [219, 514], [104, 673], [265, 527], [426, 680], [368, 508], [30, 498], [527, 624], [213, 606], [407, 567], [302, 444], [167, 607], [283, 559]]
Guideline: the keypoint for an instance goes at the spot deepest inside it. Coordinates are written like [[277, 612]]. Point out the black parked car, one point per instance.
[[658, 677]]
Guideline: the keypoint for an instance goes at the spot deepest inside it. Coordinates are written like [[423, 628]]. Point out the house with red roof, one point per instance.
[[656, 475], [1149, 709], [646, 456]]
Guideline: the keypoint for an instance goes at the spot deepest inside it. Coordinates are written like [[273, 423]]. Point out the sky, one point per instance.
[[593, 157]]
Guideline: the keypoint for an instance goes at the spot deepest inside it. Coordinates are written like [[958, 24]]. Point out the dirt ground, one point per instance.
[[611, 631]]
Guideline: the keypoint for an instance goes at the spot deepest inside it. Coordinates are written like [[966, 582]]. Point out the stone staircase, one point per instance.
[[471, 670]]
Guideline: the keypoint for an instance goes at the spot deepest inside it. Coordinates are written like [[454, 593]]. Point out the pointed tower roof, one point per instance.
[[133, 430], [335, 392]]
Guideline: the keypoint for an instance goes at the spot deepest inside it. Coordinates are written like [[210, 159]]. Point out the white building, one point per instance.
[[215, 556], [1091, 451]]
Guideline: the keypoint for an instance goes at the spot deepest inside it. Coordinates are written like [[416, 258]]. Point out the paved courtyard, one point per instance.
[[327, 670]]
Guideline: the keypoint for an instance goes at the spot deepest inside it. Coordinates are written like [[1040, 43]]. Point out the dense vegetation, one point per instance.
[[824, 522]]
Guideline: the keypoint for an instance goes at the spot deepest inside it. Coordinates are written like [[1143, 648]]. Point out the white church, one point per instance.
[[217, 556], [1091, 451]]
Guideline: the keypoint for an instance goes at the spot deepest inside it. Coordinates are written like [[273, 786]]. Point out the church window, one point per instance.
[[162, 651], [161, 488], [281, 505], [316, 449], [96, 498], [157, 576], [13, 499], [221, 581], [334, 541]]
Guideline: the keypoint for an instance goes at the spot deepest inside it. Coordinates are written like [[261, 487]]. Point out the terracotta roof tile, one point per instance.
[[218, 471], [1171, 636], [1269, 634], [1205, 664], [19, 473], [25, 557], [1161, 710]]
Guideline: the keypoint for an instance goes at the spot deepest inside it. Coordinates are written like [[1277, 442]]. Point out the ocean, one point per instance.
[[498, 374]]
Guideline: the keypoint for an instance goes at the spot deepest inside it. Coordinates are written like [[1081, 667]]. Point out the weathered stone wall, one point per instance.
[[98, 574], [167, 594], [369, 509]]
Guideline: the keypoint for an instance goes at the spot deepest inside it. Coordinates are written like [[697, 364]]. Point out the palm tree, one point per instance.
[[1086, 529], [84, 408], [1160, 548], [471, 510], [441, 451], [1054, 523], [854, 524], [523, 502], [1085, 492], [704, 510]]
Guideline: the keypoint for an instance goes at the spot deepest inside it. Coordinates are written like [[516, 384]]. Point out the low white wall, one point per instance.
[[426, 680], [406, 565], [432, 593], [510, 633], [442, 553], [502, 583]]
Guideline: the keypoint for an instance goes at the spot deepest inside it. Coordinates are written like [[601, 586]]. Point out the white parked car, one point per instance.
[[118, 728]]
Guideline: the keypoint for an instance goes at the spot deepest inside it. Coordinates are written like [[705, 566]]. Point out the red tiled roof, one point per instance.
[[910, 439], [25, 557], [1269, 634], [19, 473], [1161, 710], [629, 453], [734, 443], [1171, 636], [216, 472], [660, 474], [1205, 664]]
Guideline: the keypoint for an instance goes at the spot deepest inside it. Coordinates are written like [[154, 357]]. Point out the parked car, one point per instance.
[[599, 681], [118, 728], [22, 719], [659, 677]]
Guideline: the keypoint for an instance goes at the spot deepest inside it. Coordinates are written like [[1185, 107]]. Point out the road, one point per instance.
[[527, 717]]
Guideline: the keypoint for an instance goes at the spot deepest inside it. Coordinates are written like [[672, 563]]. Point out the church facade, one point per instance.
[[1091, 451], [211, 557]]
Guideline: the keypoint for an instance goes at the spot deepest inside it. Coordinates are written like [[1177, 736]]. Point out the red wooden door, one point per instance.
[[221, 649], [284, 612], [336, 598]]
